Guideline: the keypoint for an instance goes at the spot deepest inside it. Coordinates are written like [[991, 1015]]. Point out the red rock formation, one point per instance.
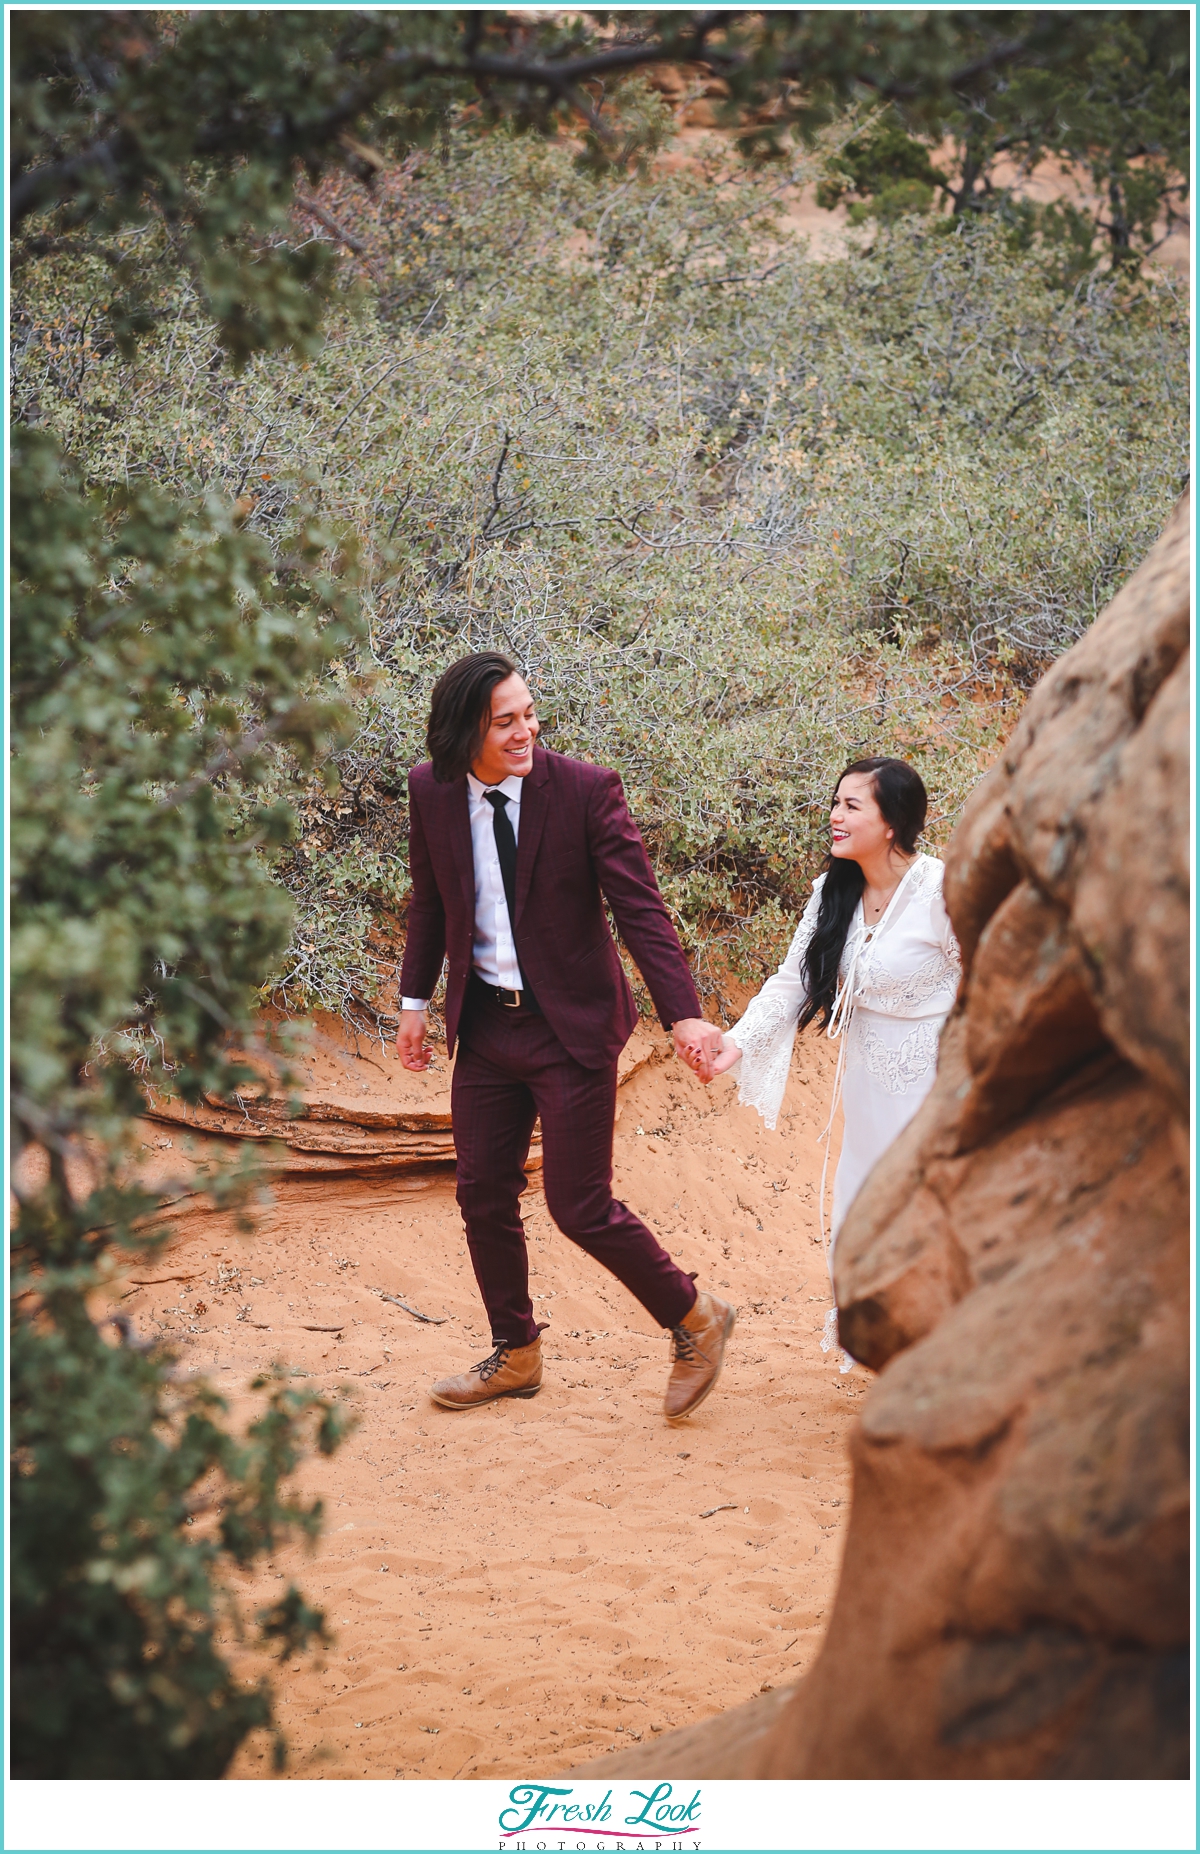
[[353, 1113], [1014, 1598]]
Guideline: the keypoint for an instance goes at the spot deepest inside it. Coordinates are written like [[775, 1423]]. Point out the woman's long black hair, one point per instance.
[[901, 797]]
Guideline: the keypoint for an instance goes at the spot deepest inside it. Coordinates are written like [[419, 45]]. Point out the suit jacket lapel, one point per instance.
[[535, 802], [462, 850]]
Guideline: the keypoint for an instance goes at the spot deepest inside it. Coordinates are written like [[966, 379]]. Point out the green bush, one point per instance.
[[1109, 108], [899, 196], [159, 656], [882, 158], [740, 514]]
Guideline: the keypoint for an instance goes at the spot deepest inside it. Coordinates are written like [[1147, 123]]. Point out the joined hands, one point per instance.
[[700, 1047]]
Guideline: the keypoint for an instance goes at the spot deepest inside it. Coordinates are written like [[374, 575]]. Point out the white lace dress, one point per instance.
[[897, 982]]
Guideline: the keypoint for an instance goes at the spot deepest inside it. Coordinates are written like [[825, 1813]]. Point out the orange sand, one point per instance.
[[521, 1587]]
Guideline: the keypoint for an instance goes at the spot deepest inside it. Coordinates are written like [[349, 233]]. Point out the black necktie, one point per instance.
[[506, 850]]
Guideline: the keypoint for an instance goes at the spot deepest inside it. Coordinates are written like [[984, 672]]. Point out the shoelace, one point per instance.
[[684, 1350], [488, 1367]]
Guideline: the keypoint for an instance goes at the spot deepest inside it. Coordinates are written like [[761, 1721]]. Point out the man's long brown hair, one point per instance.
[[460, 709]]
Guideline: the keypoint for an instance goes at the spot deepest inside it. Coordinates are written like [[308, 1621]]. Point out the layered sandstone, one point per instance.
[[346, 1110], [1014, 1598]]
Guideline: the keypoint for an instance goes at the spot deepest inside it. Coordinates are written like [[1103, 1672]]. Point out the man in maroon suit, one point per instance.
[[513, 852]]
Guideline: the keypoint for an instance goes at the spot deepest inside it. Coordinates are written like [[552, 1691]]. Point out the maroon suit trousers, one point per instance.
[[510, 1069]]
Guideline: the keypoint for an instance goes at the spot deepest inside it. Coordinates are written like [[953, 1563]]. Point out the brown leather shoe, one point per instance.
[[511, 1371], [697, 1355]]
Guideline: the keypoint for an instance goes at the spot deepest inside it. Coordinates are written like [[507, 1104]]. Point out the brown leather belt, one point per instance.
[[511, 1000]]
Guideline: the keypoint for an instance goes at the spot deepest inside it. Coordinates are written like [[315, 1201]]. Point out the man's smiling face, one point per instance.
[[507, 746]]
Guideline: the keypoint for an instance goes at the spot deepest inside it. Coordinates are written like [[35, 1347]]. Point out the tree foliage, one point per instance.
[[131, 1500], [1112, 111], [741, 514], [208, 118], [158, 653]]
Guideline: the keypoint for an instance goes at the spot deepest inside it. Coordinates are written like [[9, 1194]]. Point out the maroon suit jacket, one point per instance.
[[576, 843]]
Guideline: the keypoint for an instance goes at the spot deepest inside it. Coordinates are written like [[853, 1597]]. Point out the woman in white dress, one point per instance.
[[875, 960]]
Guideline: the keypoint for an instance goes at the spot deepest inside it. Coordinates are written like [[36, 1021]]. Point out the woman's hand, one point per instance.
[[729, 1054]]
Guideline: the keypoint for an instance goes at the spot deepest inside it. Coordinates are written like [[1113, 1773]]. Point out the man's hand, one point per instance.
[[697, 1044], [412, 1044]]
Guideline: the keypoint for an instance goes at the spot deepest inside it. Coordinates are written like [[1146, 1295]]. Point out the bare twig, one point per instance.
[[427, 1317], [316, 211], [404, 360]]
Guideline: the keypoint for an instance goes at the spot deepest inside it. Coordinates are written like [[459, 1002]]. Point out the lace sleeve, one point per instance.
[[944, 932], [766, 1031]]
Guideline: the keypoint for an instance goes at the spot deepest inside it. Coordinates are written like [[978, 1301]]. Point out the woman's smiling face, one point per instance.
[[858, 825]]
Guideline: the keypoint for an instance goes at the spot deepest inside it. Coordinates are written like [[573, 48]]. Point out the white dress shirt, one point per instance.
[[495, 956]]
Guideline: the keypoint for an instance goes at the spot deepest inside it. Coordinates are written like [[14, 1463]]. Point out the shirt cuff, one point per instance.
[[414, 1004]]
